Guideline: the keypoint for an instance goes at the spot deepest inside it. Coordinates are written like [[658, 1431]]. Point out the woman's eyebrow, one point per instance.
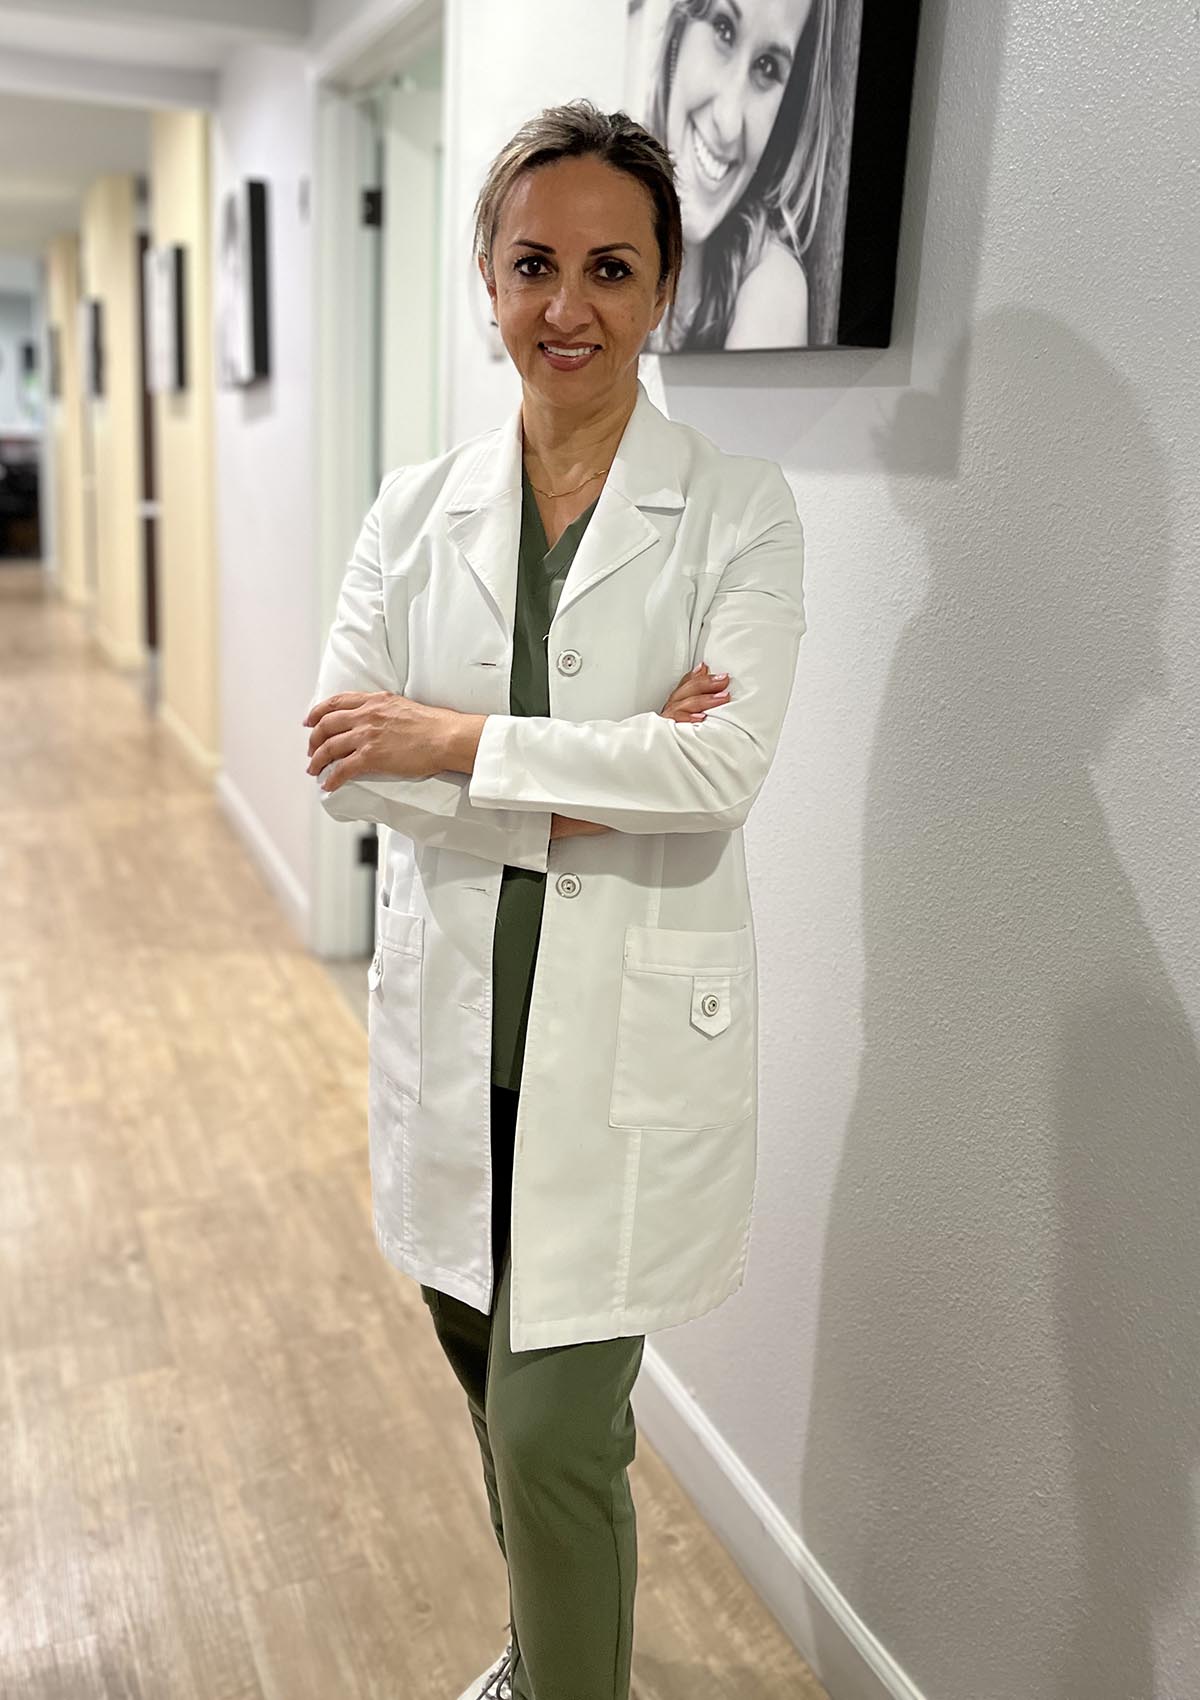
[[772, 46], [545, 248]]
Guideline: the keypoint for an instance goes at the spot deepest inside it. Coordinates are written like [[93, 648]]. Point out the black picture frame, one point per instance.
[[53, 363], [878, 162], [166, 318], [243, 316], [93, 351]]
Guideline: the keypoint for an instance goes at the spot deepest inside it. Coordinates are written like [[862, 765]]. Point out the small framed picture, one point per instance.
[[166, 319], [91, 346], [243, 352]]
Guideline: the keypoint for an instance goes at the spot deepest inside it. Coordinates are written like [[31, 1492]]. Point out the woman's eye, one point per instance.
[[536, 259], [724, 29], [768, 67]]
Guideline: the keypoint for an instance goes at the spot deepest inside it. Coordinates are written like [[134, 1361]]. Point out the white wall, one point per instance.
[[16, 327], [19, 272], [966, 1365], [265, 480]]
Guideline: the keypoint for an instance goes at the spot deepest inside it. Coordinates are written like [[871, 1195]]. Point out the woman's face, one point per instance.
[[576, 263], [730, 74]]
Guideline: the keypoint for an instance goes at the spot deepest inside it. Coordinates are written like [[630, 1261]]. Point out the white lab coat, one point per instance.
[[636, 1139]]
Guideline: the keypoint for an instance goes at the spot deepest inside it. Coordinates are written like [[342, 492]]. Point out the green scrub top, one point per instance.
[[541, 572]]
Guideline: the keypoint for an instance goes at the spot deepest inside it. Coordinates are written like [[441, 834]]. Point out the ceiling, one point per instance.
[[50, 150], [78, 79], [193, 34]]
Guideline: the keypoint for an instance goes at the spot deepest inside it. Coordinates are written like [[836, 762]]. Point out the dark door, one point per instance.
[[149, 489]]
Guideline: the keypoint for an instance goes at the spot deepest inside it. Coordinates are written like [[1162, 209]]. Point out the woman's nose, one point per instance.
[[567, 306], [726, 118]]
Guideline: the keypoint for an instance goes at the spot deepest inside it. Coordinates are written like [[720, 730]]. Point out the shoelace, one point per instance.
[[499, 1684]]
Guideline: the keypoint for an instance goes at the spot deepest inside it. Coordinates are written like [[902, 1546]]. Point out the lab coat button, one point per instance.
[[570, 661], [710, 1004], [568, 885]]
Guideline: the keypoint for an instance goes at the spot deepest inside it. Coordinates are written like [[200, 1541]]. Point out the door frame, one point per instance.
[[341, 911]]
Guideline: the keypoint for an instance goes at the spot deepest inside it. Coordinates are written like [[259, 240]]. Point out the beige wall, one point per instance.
[[187, 567], [64, 418], [110, 271]]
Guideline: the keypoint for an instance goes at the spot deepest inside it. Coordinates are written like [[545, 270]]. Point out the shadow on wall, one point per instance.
[[1007, 1379]]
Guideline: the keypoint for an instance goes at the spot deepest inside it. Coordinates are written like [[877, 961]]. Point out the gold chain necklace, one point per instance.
[[555, 493]]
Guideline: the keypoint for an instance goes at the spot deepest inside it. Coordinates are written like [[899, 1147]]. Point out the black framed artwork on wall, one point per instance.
[[243, 325], [91, 346], [787, 122], [166, 318]]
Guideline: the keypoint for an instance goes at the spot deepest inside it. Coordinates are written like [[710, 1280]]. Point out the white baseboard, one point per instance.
[[282, 881], [818, 1620], [124, 658], [206, 762]]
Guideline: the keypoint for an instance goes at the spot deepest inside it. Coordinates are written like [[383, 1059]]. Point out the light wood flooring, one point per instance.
[[233, 1462]]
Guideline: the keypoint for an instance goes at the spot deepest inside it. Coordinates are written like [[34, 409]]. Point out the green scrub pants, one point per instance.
[[556, 1433]]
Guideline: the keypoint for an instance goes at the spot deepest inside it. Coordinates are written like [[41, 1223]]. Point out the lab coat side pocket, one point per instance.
[[394, 1000]]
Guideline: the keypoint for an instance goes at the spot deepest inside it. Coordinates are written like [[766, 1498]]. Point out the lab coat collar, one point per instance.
[[484, 509]]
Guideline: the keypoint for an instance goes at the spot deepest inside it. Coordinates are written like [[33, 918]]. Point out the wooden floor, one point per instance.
[[233, 1462]]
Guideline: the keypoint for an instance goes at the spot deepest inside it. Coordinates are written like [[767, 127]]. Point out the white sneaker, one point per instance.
[[496, 1681]]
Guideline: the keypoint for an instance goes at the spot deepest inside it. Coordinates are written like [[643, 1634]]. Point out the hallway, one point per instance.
[[233, 1464]]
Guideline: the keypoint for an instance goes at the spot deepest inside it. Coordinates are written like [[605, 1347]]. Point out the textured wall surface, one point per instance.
[[966, 1363], [264, 460], [181, 199], [109, 262]]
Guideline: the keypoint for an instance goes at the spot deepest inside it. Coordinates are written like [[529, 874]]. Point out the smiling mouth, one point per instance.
[[712, 168]]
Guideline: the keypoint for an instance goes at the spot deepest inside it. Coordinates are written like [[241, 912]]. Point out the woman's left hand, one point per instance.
[[359, 732]]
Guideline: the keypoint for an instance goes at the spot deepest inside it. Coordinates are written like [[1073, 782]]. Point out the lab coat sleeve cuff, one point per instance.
[[437, 813], [487, 788]]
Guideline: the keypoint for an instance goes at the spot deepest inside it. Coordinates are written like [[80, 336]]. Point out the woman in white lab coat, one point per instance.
[[559, 1195]]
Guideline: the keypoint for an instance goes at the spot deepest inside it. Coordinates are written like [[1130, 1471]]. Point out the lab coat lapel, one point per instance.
[[484, 511]]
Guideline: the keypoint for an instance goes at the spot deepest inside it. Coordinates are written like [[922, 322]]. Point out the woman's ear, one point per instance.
[[488, 284], [662, 300]]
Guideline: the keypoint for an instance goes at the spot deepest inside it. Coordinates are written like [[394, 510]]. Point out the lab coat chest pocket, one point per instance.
[[685, 1043], [394, 1000]]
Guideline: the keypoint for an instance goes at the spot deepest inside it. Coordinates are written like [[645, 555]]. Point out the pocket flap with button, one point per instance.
[[686, 1033], [711, 1002]]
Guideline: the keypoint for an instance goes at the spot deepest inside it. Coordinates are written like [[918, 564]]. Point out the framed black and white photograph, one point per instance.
[[243, 354], [91, 346], [787, 122], [165, 320]]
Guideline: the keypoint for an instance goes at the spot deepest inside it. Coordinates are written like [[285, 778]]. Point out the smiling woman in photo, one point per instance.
[[740, 92]]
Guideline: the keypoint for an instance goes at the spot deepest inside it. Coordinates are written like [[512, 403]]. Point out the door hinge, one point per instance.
[[372, 210]]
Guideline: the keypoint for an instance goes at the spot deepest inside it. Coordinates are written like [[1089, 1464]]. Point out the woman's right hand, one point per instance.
[[693, 696]]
